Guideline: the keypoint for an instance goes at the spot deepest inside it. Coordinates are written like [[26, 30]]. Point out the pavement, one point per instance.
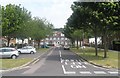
[[59, 62]]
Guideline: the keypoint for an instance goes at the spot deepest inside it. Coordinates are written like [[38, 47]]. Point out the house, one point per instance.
[[56, 39]]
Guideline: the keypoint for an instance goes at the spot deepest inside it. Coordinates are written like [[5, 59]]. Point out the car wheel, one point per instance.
[[31, 52], [14, 57], [19, 52]]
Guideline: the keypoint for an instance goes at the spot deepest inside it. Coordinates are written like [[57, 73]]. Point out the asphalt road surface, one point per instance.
[[59, 62]]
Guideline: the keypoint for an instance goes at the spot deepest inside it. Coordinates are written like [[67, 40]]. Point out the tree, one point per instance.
[[67, 31], [0, 22], [83, 18], [39, 29], [108, 16], [12, 17], [101, 18], [78, 36]]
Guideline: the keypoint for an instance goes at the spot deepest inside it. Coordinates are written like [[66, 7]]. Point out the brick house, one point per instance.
[[57, 38]]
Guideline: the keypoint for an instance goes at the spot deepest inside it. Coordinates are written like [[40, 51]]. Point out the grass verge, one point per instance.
[[42, 49], [10, 63], [89, 54]]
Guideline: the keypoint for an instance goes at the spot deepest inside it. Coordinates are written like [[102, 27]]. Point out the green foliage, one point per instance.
[[0, 21], [17, 23], [100, 17], [40, 29], [12, 17], [68, 31], [78, 34]]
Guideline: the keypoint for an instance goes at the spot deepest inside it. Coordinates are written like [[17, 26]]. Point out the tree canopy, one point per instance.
[[100, 17], [17, 22]]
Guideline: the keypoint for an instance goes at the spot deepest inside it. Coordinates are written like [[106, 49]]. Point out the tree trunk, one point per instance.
[[105, 45], [29, 41], [96, 52], [72, 41], [77, 44], [102, 42], [38, 43], [8, 42], [22, 42], [80, 43]]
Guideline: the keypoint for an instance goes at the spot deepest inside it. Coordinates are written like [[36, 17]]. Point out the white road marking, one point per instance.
[[79, 63], [60, 53], [112, 72], [66, 63], [76, 60], [94, 66], [85, 72], [50, 53], [77, 66], [66, 72], [36, 66], [99, 72], [67, 60], [61, 60], [86, 63], [83, 66], [35, 61], [71, 60], [73, 63]]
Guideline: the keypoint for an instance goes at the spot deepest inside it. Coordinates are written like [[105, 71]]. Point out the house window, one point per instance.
[[50, 38], [62, 38], [65, 38], [62, 34], [47, 39], [54, 38]]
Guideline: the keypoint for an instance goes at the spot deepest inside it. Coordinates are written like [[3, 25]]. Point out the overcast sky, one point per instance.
[[55, 11]]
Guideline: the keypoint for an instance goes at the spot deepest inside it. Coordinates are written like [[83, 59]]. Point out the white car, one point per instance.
[[27, 49], [8, 52], [66, 47]]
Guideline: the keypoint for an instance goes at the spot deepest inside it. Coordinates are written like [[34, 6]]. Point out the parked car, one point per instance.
[[44, 46], [8, 52], [27, 49], [66, 47]]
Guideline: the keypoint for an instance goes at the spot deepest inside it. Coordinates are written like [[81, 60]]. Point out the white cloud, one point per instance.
[[55, 11]]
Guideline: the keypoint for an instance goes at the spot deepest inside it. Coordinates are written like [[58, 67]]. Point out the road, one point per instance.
[[59, 62]]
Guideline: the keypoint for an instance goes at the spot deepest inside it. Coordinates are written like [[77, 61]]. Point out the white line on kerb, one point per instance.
[[65, 72]]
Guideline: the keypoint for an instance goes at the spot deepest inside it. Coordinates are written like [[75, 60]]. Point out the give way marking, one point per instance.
[[67, 72]]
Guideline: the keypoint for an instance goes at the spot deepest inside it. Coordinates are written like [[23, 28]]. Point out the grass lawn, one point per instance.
[[89, 54], [42, 49], [10, 63]]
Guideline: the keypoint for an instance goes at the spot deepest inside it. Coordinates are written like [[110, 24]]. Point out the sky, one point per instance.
[[55, 11]]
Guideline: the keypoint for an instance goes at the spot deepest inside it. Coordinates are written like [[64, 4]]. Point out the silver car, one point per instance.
[[27, 49], [8, 52]]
